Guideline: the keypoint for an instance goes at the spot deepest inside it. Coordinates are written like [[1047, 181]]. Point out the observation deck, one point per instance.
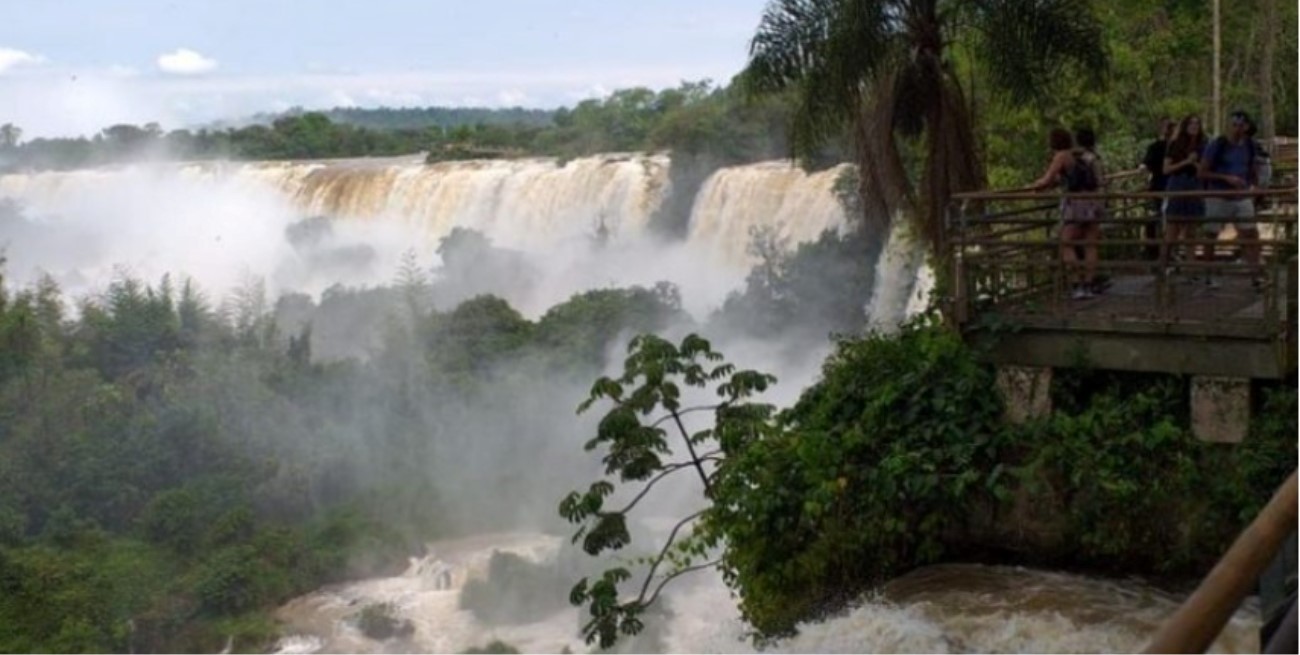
[[1008, 293]]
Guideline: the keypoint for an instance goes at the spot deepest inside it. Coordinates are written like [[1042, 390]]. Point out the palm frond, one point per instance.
[[825, 49], [1025, 44]]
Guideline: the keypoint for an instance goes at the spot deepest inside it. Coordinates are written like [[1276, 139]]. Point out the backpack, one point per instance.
[[1082, 176], [1221, 143]]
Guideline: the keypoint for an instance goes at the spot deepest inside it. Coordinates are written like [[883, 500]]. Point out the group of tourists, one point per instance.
[[1181, 159]]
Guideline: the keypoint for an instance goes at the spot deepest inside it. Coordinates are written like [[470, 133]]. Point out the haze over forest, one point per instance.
[[397, 326]]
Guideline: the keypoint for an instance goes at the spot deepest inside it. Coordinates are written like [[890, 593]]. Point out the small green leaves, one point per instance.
[[576, 507], [609, 532], [633, 435], [578, 595]]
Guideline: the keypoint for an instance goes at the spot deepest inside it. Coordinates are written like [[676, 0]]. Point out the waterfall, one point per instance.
[[222, 221], [900, 271], [518, 203], [777, 196]]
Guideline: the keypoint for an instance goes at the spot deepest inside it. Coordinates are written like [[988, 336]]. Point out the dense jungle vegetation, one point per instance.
[[173, 466]]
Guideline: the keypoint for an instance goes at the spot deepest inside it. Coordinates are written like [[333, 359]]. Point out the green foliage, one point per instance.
[[876, 464], [475, 336], [227, 581], [696, 118], [173, 519], [1136, 489], [659, 379], [566, 331], [168, 473], [891, 460], [884, 70], [818, 287], [899, 457]]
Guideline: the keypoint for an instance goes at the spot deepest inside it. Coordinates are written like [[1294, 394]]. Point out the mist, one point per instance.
[[227, 229], [435, 357]]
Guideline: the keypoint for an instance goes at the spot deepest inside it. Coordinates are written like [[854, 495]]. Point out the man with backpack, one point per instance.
[[1154, 164], [1229, 165]]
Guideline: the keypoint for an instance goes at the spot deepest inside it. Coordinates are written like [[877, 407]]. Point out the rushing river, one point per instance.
[[953, 608], [223, 221]]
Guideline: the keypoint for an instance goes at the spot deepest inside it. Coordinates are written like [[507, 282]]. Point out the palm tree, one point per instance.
[[883, 69]]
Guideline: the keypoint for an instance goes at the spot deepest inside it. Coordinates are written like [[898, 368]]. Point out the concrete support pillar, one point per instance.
[[1024, 391], [1220, 408]]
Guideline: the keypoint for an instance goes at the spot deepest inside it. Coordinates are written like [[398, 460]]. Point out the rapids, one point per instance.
[[949, 608], [230, 218]]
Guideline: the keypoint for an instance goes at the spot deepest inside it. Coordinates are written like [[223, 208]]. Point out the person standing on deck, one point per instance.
[[1079, 216], [1086, 154], [1229, 165], [1263, 163], [1181, 166], [1154, 164]]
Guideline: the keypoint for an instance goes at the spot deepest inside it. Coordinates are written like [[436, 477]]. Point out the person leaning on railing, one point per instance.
[[1080, 217]]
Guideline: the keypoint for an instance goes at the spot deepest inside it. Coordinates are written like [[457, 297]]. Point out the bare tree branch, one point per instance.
[[699, 466], [663, 552], [684, 412], [671, 576], [711, 456]]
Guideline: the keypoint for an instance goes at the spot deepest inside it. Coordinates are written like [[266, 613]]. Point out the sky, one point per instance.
[[71, 67]]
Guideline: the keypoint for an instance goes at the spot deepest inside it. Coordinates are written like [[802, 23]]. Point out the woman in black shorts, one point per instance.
[[1183, 215]]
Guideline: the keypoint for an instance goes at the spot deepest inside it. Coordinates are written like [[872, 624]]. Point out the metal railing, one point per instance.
[[1005, 256]]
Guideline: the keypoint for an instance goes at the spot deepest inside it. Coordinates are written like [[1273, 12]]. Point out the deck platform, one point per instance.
[[1010, 295]]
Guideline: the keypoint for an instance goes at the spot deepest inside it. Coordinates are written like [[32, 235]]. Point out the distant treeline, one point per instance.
[[419, 118], [695, 118], [406, 118]]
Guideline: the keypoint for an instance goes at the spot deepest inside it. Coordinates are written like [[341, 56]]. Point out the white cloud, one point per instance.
[[593, 91], [340, 98], [512, 97], [185, 62], [11, 58], [118, 70], [393, 98]]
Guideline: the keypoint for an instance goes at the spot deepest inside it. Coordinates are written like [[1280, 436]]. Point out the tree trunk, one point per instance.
[[883, 184], [952, 160], [1268, 119], [1218, 98]]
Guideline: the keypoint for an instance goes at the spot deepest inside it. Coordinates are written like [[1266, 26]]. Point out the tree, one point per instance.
[[884, 68], [10, 135], [647, 397]]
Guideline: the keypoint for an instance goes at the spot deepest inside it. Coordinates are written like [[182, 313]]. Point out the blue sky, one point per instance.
[[73, 66]]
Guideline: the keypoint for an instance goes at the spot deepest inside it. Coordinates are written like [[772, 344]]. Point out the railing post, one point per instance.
[[1202, 616]]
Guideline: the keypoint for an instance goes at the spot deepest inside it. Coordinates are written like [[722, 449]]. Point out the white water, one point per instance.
[[940, 609], [903, 280], [226, 220], [526, 204], [776, 196], [223, 222]]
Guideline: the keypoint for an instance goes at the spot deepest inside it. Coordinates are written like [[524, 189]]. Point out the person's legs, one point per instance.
[[1070, 235], [1092, 233], [1247, 231], [1151, 232], [1172, 249], [1217, 210]]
